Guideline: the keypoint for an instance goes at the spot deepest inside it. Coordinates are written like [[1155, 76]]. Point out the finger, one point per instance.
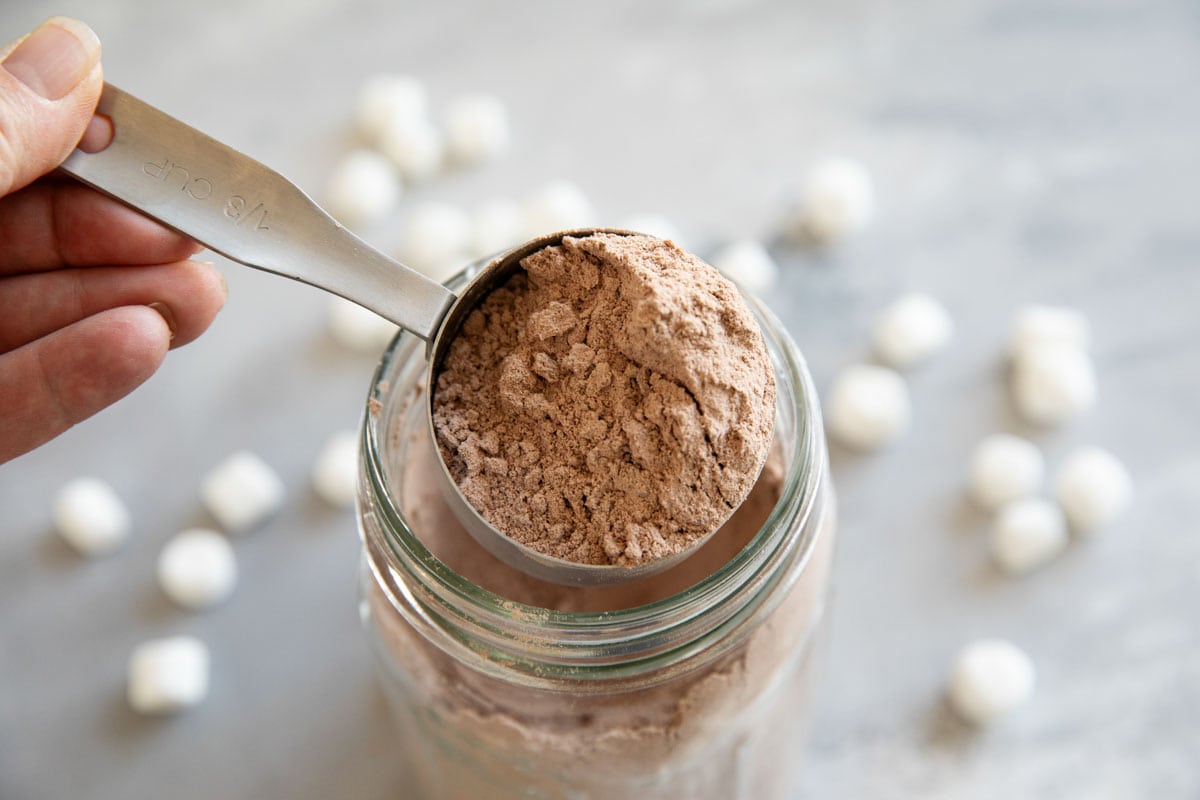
[[54, 224], [49, 84], [187, 293], [50, 384]]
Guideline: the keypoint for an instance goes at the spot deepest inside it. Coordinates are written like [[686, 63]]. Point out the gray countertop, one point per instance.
[[1023, 151]]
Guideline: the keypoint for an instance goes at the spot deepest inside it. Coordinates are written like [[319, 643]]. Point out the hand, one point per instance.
[[92, 294]]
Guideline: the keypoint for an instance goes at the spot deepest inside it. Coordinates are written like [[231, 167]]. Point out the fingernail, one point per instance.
[[164, 311], [55, 57]]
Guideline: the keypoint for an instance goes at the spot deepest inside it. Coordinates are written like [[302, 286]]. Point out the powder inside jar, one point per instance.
[[611, 403]]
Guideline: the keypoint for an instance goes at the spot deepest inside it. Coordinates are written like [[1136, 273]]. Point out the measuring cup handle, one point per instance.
[[239, 208]]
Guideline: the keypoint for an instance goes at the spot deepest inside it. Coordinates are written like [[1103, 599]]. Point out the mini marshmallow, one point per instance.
[[991, 678], [497, 225], [436, 240], [168, 675], [747, 263], [1036, 326], [241, 492], [91, 517], [335, 472], [911, 329], [838, 200], [384, 99], [1053, 383], [868, 407], [1028, 533], [357, 328], [1005, 468], [1094, 487], [197, 569], [557, 206], [362, 190], [476, 128], [653, 224], [415, 146]]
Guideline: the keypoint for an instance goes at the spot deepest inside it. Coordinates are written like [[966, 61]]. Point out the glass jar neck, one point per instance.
[[534, 644]]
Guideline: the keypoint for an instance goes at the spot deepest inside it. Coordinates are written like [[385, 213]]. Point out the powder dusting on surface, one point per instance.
[[612, 403]]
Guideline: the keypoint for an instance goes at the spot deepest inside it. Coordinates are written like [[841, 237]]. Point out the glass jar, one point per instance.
[[691, 684]]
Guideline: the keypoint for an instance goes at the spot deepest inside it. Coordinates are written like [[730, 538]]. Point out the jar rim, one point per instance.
[[564, 638]]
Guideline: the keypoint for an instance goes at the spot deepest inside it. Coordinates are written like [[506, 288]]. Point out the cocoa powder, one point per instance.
[[439, 530], [612, 403]]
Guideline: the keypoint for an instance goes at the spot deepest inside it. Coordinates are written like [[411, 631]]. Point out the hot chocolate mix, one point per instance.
[[612, 403]]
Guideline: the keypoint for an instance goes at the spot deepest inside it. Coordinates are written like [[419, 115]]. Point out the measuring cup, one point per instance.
[[239, 208]]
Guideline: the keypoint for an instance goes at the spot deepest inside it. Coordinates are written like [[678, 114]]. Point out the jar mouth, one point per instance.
[[725, 597]]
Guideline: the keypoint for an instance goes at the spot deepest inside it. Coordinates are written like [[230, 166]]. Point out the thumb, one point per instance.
[[50, 81]]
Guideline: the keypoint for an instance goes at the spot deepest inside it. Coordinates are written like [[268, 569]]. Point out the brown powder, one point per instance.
[[439, 530], [611, 404]]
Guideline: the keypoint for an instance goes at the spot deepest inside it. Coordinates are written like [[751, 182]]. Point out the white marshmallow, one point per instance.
[[1028, 533], [991, 678], [357, 328], [747, 263], [90, 517], [1053, 383], [476, 128], [653, 224], [912, 328], [197, 568], [384, 99], [436, 240], [241, 492], [1094, 487], [868, 407], [557, 206], [335, 472], [1036, 326], [414, 145], [838, 200], [167, 675], [496, 225], [1005, 468], [362, 190]]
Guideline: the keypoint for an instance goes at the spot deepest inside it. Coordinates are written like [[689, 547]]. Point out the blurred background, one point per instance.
[[1022, 151]]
